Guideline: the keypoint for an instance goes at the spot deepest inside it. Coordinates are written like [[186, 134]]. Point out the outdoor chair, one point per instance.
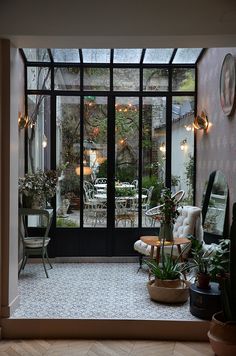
[[123, 213], [35, 245]]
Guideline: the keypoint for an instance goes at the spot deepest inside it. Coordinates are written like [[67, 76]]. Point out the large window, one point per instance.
[[118, 125]]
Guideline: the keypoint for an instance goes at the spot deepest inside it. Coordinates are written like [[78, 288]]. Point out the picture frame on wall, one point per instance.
[[227, 84]]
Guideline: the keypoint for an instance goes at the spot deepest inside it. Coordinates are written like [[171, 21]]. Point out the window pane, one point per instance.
[[125, 79], [67, 78], [183, 146], [66, 55], [127, 55], [154, 154], [158, 55], [95, 162], [183, 79], [126, 162], [96, 79], [67, 158], [36, 54], [96, 55], [155, 79], [187, 55], [38, 78]]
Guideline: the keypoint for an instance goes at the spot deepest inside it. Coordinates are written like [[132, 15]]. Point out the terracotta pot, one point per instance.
[[222, 336], [168, 283], [203, 280]]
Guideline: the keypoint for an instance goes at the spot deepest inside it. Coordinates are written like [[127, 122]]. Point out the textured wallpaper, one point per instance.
[[216, 148]]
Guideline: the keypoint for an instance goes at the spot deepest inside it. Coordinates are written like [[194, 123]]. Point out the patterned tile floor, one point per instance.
[[91, 291]]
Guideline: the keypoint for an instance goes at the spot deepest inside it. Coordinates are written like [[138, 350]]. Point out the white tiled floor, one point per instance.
[[91, 291]]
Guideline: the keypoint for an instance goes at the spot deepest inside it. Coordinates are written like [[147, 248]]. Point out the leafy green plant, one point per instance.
[[66, 223], [125, 192], [158, 185], [168, 209], [170, 267], [219, 262], [201, 260]]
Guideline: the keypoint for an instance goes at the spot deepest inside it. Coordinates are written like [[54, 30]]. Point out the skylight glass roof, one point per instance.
[[127, 56], [131, 55], [37, 54], [96, 55], [65, 55], [158, 55], [187, 55]]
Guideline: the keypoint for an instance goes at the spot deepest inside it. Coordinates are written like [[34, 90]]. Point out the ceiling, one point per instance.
[[121, 24]]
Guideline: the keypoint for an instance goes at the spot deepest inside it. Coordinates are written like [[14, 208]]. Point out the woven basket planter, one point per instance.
[[169, 295]]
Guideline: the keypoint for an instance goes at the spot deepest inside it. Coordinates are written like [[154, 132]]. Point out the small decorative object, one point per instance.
[[227, 84], [37, 188], [168, 214]]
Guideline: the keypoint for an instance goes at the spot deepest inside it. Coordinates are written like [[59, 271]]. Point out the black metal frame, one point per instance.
[[110, 241]]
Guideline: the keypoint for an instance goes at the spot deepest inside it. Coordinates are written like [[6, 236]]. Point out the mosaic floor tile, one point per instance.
[[91, 291]]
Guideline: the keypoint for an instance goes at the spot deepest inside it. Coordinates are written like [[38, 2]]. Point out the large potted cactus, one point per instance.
[[223, 326]]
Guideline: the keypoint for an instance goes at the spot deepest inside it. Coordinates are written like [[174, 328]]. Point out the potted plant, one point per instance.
[[169, 285], [168, 213], [223, 326], [38, 188], [219, 262], [201, 262]]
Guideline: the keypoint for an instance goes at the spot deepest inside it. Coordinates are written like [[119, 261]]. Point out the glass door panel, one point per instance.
[[182, 162], [67, 158], [153, 153], [126, 161], [95, 161]]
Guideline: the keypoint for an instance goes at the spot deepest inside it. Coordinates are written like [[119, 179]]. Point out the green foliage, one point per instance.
[[125, 192], [147, 182], [170, 267], [189, 174], [220, 260], [102, 172], [66, 223], [126, 173], [201, 259], [175, 180], [168, 209], [70, 183]]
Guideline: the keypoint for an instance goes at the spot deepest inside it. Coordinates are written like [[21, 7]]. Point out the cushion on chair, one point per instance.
[[36, 242], [187, 223]]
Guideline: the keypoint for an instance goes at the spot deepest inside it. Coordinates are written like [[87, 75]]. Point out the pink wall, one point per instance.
[[216, 148]]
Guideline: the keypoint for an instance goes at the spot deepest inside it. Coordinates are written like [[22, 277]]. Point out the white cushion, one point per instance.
[[35, 242]]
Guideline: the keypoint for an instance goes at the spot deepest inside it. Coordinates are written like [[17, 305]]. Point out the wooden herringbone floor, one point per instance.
[[103, 348]]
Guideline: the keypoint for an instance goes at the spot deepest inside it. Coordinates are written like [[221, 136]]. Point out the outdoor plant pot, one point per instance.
[[169, 295], [222, 336], [203, 280]]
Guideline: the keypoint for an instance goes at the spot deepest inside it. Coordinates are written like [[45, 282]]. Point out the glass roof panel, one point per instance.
[[36, 54], [158, 55], [186, 55], [96, 55], [131, 55], [65, 55]]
